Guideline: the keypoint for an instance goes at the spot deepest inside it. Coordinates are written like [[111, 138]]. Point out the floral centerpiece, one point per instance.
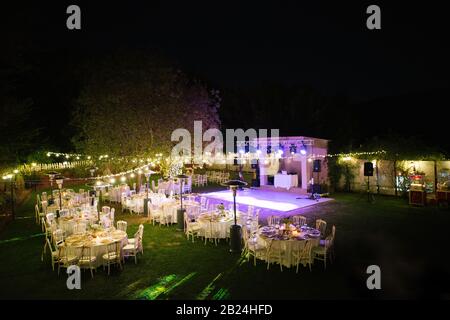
[[221, 209], [286, 223]]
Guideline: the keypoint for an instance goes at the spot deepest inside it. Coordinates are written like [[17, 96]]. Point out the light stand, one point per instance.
[[59, 181], [12, 183], [370, 197], [235, 230], [51, 177], [147, 174], [181, 211]]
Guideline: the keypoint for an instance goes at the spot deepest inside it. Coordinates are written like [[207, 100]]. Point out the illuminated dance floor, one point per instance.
[[284, 202]]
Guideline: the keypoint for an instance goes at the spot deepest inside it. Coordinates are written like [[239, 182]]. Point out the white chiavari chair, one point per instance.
[[54, 253], [252, 247], [299, 220], [321, 252], [112, 256], [87, 260], [67, 257], [330, 243], [139, 233], [321, 225], [122, 225], [250, 210], [276, 253], [131, 249], [38, 214], [211, 232], [191, 228], [155, 213], [273, 220], [79, 228], [58, 238], [303, 254], [50, 218]]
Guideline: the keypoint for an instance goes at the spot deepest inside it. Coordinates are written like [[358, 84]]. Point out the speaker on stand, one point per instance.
[[315, 188], [368, 172]]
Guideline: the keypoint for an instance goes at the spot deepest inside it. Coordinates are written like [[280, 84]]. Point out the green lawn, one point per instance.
[[408, 243]]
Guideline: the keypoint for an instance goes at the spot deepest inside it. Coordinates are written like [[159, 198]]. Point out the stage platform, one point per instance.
[[271, 202]]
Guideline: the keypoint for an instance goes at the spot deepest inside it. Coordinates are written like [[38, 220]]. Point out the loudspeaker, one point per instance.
[[235, 161], [316, 188], [316, 166], [368, 169]]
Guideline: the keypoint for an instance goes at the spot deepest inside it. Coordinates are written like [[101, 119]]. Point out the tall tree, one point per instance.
[[132, 103]]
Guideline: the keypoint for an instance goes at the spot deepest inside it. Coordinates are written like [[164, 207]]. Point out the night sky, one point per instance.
[[326, 46]]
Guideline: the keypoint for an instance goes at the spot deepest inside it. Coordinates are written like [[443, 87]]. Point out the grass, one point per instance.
[[408, 243]]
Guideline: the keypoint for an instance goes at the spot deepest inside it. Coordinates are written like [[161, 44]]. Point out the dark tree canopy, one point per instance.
[[131, 104]]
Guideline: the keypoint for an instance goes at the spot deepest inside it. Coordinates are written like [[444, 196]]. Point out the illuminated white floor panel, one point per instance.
[[272, 200]]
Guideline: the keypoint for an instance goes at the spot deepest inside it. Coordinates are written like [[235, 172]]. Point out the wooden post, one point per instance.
[[435, 176], [395, 177], [376, 171]]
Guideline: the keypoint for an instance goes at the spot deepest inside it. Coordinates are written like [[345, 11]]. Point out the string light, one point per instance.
[[356, 154]]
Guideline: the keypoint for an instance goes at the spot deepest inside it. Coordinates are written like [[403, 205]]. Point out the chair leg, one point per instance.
[[92, 273]]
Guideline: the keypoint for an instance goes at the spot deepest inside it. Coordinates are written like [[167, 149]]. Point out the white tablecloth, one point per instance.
[[289, 246], [74, 243], [286, 180]]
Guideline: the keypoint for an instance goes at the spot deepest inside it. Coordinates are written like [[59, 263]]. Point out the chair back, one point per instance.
[[122, 225], [273, 220], [63, 213], [79, 228], [113, 250], [321, 225], [58, 237], [50, 218], [86, 253], [141, 230], [299, 220]]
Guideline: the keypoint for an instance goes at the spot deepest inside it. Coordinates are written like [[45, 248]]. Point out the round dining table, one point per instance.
[[217, 221], [290, 241], [97, 239]]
